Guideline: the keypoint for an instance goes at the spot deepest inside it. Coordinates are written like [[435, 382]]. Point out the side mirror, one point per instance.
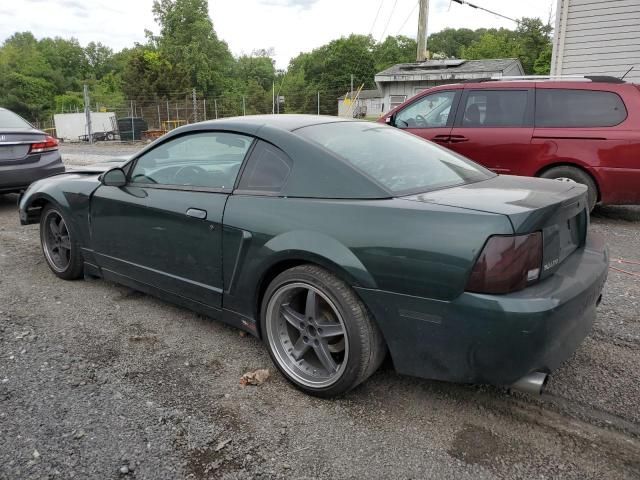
[[391, 120], [114, 178]]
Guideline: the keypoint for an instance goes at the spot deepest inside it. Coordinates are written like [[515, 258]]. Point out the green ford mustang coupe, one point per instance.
[[336, 242]]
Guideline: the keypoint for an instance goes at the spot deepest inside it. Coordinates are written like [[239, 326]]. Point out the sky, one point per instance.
[[287, 26]]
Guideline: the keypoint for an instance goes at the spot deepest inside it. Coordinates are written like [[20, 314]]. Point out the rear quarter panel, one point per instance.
[[394, 245]]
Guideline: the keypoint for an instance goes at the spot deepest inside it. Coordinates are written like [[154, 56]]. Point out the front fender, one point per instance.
[[69, 192]]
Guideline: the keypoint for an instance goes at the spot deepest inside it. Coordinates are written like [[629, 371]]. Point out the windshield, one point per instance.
[[8, 119], [401, 162]]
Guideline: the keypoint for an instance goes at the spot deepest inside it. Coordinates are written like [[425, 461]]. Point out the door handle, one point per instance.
[[441, 138], [197, 213], [458, 139]]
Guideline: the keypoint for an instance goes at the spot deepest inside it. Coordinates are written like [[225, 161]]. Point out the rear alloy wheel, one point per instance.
[[318, 332], [567, 173], [59, 246]]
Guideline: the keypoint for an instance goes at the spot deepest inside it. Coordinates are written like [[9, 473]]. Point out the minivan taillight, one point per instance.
[[48, 145], [507, 264]]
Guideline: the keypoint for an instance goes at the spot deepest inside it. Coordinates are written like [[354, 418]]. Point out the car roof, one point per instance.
[[288, 122]]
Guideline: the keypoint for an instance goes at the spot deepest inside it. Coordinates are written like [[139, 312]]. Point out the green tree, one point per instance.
[[542, 65], [493, 44], [450, 41], [399, 49], [188, 42], [533, 38]]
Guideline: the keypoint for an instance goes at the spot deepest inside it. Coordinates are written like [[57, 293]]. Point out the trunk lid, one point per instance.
[[15, 144], [557, 209]]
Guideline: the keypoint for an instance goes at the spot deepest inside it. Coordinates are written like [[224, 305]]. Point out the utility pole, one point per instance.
[[204, 108], [195, 105], [87, 112], [244, 109], [133, 130], [215, 107], [168, 112], [423, 20], [159, 120], [318, 102], [351, 91], [273, 99]]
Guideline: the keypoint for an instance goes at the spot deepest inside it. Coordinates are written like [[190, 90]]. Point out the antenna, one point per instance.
[[627, 73]]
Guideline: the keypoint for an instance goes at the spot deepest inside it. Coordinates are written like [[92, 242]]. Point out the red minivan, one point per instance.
[[585, 130]]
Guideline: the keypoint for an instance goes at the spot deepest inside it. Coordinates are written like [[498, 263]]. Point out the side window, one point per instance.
[[432, 111], [205, 159], [578, 108], [267, 169], [495, 108]]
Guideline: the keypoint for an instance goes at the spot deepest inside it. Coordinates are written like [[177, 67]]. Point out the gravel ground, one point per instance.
[[99, 381]]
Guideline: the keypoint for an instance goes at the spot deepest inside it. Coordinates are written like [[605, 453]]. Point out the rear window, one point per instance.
[[8, 119], [578, 108], [401, 162]]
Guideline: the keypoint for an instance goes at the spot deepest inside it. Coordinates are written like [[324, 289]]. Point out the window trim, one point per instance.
[[452, 115], [535, 103], [131, 164], [529, 109]]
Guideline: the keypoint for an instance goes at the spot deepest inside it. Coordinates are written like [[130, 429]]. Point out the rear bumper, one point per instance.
[[20, 175], [495, 339]]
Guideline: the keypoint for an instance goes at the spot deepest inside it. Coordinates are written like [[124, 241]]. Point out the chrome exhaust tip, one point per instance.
[[532, 383]]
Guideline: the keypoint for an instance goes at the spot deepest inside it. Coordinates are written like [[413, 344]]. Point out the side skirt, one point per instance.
[[227, 316]]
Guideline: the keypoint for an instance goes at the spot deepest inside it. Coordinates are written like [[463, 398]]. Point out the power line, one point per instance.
[[376, 17], [388, 21], [464, 2], [408, 17]]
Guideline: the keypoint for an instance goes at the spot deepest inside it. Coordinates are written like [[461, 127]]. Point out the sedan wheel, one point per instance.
[[308, 334], [60, 250], [318, 332]]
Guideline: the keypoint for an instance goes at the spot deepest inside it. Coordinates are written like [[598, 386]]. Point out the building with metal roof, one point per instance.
[[404, 80]]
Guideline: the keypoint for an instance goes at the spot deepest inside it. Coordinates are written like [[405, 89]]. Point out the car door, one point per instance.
[[494, 127], [164, 227], [430, 116]]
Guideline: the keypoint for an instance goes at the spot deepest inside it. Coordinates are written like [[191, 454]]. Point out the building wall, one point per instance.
[[600, 37]]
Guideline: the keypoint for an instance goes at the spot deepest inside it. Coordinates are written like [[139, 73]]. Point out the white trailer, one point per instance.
[[72, 127]]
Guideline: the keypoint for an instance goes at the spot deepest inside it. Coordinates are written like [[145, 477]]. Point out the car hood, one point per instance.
[[98, 167], [520, 198]]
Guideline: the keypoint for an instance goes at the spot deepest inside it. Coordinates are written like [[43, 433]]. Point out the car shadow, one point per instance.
[[8, 202], [630, 213]]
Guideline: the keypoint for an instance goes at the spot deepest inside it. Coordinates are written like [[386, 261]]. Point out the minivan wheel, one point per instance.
[[318, 333], [567, 173], [59, 246]]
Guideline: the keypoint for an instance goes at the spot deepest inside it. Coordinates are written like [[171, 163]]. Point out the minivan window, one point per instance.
[[402, 163], [430, 111], [561, 107], [495, 108]]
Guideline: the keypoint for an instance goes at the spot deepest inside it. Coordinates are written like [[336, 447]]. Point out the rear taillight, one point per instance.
[[507, 264], [48, 145]]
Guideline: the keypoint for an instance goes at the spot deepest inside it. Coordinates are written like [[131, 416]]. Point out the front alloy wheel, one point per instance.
[[318, 332], [58, 245]]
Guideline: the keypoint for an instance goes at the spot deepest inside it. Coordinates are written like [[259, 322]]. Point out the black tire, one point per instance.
[[363, 346], [577, 175], [71, 267]]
